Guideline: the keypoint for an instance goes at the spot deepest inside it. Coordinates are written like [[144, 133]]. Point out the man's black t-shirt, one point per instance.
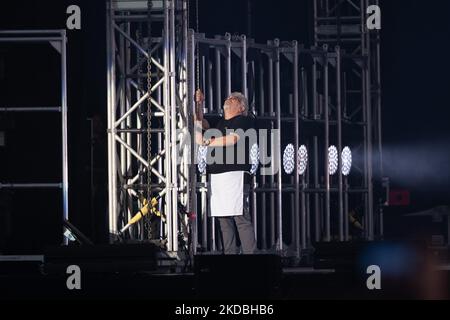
[[238, 155]]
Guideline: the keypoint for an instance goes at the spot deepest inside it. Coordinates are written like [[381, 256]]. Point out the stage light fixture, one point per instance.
[[333, 160], [346, 161], [289, 159], [302, 160]]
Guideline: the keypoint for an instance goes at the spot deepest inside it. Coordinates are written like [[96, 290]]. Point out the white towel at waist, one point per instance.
[[227, 194]]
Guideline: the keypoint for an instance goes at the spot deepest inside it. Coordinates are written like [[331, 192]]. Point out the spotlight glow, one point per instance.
[[302, 160], [333, 160], [346, 161], [289, 159], [201, 159], [254, 159]]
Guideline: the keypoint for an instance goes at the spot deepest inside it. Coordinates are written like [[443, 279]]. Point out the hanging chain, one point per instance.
[[198, 46], [149, 102]]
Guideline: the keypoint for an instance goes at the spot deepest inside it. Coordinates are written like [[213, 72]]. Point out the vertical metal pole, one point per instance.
[[244, 66], [292, 196], [280, 172], [306, 209], [300, 221], [210, 87], [173, 123], [364, 106], [184, 92], [306, 184], [108, 81], [203, 75], [272, 177], [380, 121], [369, 226], [218, 81], [369, 153], [316, 34], [129, 138], [327, 145], [205, 219], [305, 93], [204, 204], [112, 168], [317, 212], [314, 89], [363, 7], [168, 129], [249, 18], [346, 210], [159, 96], [213, 235], [263, 177], [228, 71], [252, 192], [365, 164], [254, 208], [160, 169], [140, 143], [65, 143], [191, 81], [345, 94], [122, 108], [339, 133], [293, 213]]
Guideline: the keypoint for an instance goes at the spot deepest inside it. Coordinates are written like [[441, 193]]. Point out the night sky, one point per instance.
[[415, 80]]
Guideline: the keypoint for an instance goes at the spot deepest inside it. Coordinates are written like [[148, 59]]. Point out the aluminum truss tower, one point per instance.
[[313, 97], [342, 23], [147, 115], [286, 93]]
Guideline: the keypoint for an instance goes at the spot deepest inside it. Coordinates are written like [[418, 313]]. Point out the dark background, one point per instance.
[[416, 95]]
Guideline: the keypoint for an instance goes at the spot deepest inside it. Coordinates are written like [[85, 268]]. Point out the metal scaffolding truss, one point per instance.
[[58, 40], [343, 23], [315, 97], [147, 113]]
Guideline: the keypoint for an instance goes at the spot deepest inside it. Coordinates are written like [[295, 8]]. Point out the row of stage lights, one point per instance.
[[289, 160], [302, 160]]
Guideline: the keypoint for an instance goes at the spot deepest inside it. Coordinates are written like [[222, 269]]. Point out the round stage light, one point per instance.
[[302, 160], [333, 160], [254, 158], [289, 159], [201, 159], [346, 161]]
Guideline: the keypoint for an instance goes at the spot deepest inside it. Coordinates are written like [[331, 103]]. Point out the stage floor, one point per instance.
[[25, 281]]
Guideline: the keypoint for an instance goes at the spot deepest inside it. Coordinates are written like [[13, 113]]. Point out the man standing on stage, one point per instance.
[[229, 201]]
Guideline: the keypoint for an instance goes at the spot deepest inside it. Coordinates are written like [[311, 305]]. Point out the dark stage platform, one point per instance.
[[212, 278]]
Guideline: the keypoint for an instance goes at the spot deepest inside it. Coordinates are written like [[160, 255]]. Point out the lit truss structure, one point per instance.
[[342, 24], [139, 33], [289, 212]]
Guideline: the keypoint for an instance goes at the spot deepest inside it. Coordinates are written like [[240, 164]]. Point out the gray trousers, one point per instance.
[[244, 226]]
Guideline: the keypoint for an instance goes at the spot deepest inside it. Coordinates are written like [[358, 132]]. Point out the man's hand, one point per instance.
[[199, 99]]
